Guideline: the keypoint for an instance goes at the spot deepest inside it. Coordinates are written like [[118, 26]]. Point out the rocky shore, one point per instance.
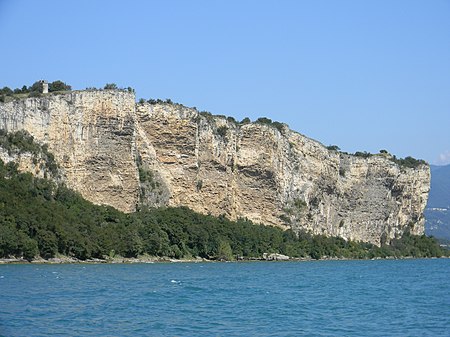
[[113, 260], [152, 259]]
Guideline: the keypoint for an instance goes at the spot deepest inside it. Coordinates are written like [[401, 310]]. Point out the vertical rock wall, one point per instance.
[[127, 155], [279, 177]]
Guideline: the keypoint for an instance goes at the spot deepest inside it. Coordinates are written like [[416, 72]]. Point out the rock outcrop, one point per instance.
[[126, 155]]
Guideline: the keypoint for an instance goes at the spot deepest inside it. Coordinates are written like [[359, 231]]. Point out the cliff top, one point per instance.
[[60, 88]]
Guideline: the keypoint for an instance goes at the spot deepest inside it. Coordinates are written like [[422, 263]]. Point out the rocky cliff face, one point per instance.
[[123, 154], [92, 136]]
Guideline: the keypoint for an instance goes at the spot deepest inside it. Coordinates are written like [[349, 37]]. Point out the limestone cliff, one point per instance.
[[123, 154], [91, 134]]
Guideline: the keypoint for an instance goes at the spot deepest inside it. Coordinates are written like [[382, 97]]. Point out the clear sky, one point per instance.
[[364, 75]]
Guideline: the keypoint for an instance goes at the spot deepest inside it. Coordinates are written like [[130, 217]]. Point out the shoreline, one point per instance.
[[151, 260]]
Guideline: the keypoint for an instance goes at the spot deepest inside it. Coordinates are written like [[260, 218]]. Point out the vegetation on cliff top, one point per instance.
[[37, 217], [408, 162], [35, 90], [58, 86]]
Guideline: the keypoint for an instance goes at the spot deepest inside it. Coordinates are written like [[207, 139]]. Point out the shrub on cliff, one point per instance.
[[35, 94], [23, 90], [222, 130], [58, 86], [6, 91], [333, 148], [279, 126], [110, 86], [264, 120], [409, 162], [18, 142], [155, 101], [364, 154], [21, 142]]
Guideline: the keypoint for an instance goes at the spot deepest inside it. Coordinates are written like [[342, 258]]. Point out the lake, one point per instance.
[[317, 298]]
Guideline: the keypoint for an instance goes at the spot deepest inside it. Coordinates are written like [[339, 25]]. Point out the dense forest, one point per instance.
[[40, 218]]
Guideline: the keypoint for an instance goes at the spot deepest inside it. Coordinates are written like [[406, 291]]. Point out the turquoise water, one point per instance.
[[321, 298]]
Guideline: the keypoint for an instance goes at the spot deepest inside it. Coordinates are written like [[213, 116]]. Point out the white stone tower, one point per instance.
[[44, 86]]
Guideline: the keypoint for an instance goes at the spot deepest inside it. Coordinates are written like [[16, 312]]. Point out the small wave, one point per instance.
[[175, 281]]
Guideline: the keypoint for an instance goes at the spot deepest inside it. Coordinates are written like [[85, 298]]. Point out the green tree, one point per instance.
[[264, 120], [28, 246], [333, 147], [58, 86], [110, 86], [47, 243], [8, 236], [37, 87], [6, 91], [224, 251]]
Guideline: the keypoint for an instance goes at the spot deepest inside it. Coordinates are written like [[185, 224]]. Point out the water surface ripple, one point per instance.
[[322, 298]]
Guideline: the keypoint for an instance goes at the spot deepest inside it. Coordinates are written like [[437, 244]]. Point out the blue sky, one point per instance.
[[364, 75]]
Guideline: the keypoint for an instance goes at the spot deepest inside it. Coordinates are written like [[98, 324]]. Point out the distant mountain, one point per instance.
[[437, 213], [440, 187]]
